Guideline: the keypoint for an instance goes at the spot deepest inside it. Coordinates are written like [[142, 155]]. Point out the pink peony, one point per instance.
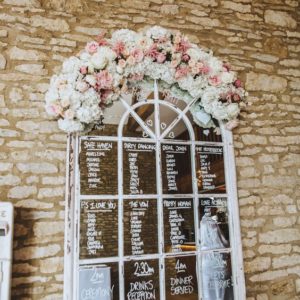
[[160, 58], [137, 54], [181, 72], [119, 47], [214, 80], [83, 70], [104, 80], [91, 47]]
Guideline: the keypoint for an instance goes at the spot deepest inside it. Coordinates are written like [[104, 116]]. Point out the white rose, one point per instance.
[[90, 79], [227, 77], [232, 110], [98, 61]]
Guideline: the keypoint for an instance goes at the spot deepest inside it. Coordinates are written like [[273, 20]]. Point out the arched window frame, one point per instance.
[[72, 225]]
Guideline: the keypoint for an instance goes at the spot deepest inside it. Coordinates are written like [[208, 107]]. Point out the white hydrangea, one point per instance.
[[71, 65], [70, 125], [102, 57], [157, 32], [227, 77]]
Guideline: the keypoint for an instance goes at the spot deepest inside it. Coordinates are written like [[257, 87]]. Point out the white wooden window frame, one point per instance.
[[73, 198]]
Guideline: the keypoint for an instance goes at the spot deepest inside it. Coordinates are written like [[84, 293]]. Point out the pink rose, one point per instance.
[[152, 51], [185, 57], [83, 70], [238, 83], [181, 72], [119, 47], [91, 47], [160, 58], [137, 54], [104, 80], [214, 80], [205, 70], [236, 98]]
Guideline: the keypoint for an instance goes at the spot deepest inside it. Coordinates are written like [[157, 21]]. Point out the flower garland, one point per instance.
[[106, 68]]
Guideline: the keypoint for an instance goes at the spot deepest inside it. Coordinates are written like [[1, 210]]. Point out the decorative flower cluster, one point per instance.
[[106, 68]]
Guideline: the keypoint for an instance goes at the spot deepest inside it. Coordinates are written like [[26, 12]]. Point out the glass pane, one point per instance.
[[214, 231], [209, 134], [210, 169], [140, 227], [139, 168], [216, 276], [133, 129], [181, 278], [179, 230], [176, 169], [142, 279], [98, 163], [99, 282], [98, 228], [178, 132]]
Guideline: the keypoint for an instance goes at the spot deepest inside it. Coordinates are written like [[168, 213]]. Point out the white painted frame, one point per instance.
[[72, 209]]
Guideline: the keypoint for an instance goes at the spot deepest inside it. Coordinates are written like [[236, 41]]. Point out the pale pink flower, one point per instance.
[[152, 51], [131, 60], [104, 79], [160, 58], [137, 54], [82, 86], [205, 69], [119, 47], [232, 124], [236, 98], [69, 114], [174, 63], [181, 72], [104, 95], [83, 70], [226, 67], [122, 63], [91, 47], [185, 57], [177, 38], [56, 109], [136, 77], [214, 80]]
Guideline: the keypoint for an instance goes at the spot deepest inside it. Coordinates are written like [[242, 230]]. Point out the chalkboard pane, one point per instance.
[[216, 276], [210, 169], [139, 168], [133, 129], [176, 169], [140, 227], [181, 278], [99, 282], [178, 132], [98, 163], [214, 229], [142, 279], [98, 228], [179, 228]]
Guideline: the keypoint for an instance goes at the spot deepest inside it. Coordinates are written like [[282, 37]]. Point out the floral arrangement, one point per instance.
[[106, 68]]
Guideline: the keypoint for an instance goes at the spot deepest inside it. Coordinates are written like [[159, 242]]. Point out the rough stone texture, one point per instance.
[[261, 41]]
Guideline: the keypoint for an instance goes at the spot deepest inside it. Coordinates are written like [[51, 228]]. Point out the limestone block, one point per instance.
[[285, 261], [280, 236], [275, 249], [2, 62], [20, 192], [251, 139], [32, 203], [268, 276], [41, 229], [38, 168], [169, 9], [4, 166], [242, 8], [32, 252], [53, 180], [34, 69], [24, 268], [279, 18], [51, 192], [9, 180], [262, 297], [50, 24], [29, 3], [258, 264], [16, 53], [263, 82], [51, 265]]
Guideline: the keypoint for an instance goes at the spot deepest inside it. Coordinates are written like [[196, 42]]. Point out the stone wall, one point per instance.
[[261, 40]]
